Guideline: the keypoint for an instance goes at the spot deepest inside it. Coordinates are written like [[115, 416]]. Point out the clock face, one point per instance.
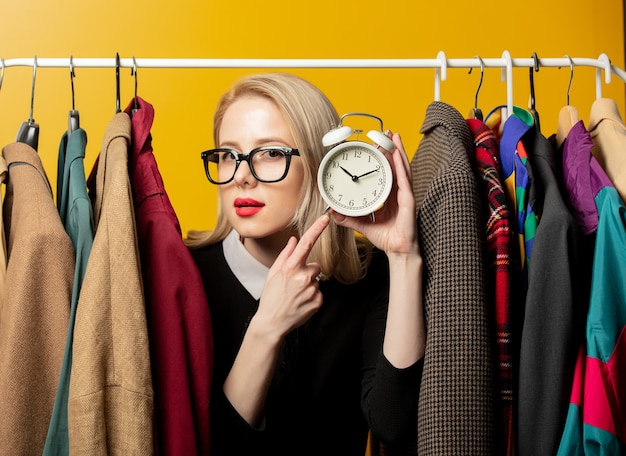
[[354, 178]]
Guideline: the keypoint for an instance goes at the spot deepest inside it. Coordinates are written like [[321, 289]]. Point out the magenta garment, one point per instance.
[[579, 165], [179, 321]]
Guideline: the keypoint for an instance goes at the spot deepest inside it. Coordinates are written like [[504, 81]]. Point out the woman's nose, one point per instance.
[[243, 175]]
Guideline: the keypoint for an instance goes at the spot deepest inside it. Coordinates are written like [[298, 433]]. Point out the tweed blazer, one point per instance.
[[110, 407], [456, 407], [35, 312]]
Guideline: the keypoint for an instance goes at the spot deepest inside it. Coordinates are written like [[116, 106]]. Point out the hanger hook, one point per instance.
[[133, 72], [480, 82], [440, 73], [32, 91], [531, 71], [1, 73], [72, 74], [117, 82], [571, 77], [507, 76], [535, 62]]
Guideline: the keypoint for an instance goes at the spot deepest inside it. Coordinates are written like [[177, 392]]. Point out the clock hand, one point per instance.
[[353, 177], [365, 174]]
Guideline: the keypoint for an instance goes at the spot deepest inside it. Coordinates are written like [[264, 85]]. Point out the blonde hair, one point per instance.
[[309, 114]]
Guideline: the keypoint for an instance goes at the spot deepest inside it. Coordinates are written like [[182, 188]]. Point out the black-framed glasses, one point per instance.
[[267, 164]]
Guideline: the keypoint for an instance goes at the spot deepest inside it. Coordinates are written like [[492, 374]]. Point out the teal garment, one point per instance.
[[76, 215], [595, 420]]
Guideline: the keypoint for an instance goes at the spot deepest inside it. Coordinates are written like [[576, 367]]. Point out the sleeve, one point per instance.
[[389, 395], [391, 404], [231, 434]]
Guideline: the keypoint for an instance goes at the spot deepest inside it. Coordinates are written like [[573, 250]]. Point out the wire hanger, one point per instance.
[[568, 115], [571, 77], [73, 120], [531, 103], [29, 131], [118, 109], [476, 112], [133, 72]]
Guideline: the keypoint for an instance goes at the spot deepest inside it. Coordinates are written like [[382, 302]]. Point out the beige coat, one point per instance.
[[111, 399], [608, 134], [35, 312]]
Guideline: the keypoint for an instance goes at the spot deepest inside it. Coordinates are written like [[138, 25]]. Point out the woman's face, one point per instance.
[[259, 210]]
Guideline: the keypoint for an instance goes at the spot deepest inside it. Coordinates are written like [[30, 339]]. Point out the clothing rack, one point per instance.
[[441, 63]]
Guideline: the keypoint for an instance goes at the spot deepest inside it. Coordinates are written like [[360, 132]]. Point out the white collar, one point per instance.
[[248, 270]]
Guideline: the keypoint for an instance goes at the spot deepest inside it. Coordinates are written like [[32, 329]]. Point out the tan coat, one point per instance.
[[111, 399], [35, 311], [608, 134]]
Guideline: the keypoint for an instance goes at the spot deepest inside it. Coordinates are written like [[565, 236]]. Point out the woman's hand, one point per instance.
[[291, 293], [392, 228], [290, 296]]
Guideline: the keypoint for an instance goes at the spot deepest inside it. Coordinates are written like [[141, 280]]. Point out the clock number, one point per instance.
[[339, 197], [358, 153], [331, 188], [364, 201], [351, 203], [374, 193], [344, 156], [334, 164]]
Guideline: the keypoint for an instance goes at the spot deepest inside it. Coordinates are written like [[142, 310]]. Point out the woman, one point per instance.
[[318, 332]]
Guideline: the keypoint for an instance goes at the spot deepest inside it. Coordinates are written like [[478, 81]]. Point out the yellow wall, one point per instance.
[[184, 99]]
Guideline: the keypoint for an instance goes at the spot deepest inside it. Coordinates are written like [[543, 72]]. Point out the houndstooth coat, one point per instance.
[[456, 407]]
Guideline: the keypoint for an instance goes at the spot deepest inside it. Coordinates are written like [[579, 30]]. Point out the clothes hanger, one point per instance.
[[117, 83], [440, 74], [507, 76], [29, 130], [531, 104], [133, 72], [571, 78], [2, 71], [568, 115], [73, 120], [476, 112], [604, 59], [503, 112]]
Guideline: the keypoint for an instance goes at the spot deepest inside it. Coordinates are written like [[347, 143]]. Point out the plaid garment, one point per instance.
[[500, 267], [517, 175]]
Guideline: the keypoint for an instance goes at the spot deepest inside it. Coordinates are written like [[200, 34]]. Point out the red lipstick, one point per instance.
[[246, 207]]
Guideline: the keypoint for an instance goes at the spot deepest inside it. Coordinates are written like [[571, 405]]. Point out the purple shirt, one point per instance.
[[583, 177]]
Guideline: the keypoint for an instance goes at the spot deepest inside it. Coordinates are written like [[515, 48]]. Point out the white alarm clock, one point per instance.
[[354, 177]]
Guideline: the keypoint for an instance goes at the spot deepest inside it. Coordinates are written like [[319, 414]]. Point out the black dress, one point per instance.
[[331, 383]]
